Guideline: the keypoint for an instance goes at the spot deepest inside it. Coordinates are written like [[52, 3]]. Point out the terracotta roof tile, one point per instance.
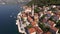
[[51, 23], [36, 17], [30, 19], [38, 29], [33, 23], [31, 30], [54, 28], [44, 20], [47, 33]]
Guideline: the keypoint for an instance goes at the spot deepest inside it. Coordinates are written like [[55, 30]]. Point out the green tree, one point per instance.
[[59, 30], [58, 24], [43, 27], [43, 2], [36, 10], [52, 18], [29, 26], [46, 29]]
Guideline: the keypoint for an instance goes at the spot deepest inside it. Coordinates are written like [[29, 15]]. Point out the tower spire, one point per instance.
[[32, 9]]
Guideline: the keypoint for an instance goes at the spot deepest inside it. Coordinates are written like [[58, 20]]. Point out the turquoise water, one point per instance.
[[8, 15]]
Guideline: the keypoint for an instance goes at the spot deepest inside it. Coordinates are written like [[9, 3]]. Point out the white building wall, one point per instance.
[[33, 33]]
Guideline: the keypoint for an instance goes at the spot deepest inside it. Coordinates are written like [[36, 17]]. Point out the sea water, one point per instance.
[[8, 14]]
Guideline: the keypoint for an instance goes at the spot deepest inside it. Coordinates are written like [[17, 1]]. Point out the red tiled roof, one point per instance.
[[49, 12], [44, 20], [53, 28], [36, 17], [38, 30], [51, 23], [47, 33], [31, 30], [30, 19], [36, 14], [58, 13], [33, 23]]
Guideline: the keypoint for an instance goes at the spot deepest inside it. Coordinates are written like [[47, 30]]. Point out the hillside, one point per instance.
[[13, 1], [44, 2]]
